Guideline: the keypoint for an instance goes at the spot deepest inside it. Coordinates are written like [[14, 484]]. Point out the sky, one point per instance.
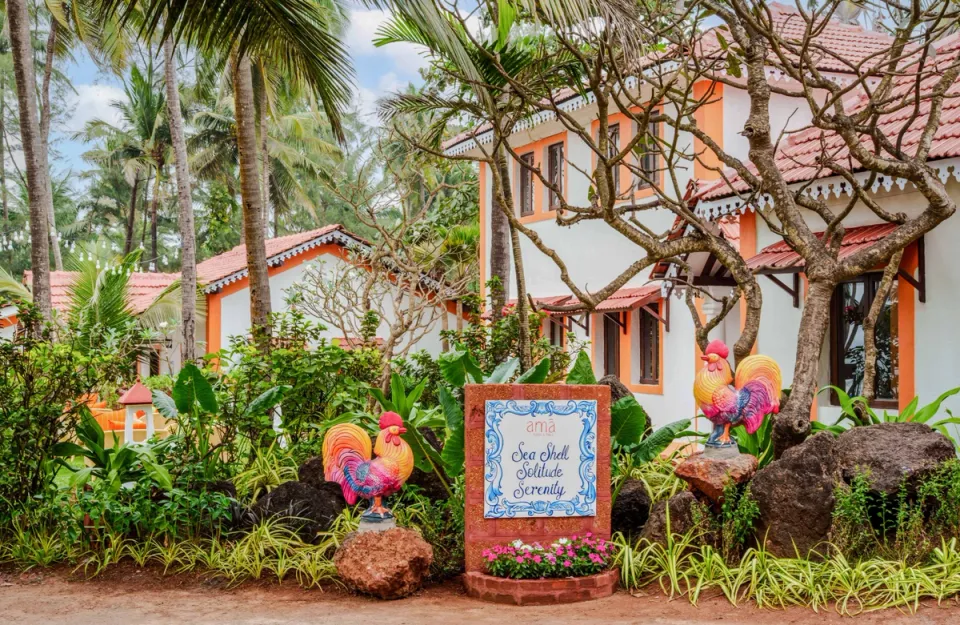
[[379, 71]]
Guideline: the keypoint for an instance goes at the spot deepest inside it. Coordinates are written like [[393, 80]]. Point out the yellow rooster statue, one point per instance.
[[347, 461], [755, 392]]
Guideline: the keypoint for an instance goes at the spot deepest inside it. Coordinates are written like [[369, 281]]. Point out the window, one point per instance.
[[555, 173], [611, 345], [649, 338], [851, 303], [154, 362], [526, 185], [650, 152], [612, 150], [556, 331]]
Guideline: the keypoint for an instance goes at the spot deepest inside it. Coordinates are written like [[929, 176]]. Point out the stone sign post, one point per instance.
[[537, 464]]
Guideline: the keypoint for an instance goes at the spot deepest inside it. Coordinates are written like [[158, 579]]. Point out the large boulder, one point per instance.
[[631, 509], [429, 484], [311, 472], [307, 510], [891, 454], [388, 565], [709, 476], [795, 497], [684, 517]]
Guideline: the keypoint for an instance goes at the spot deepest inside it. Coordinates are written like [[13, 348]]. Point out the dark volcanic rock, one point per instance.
[[311, 472], [795, 497], [388, 565], [308, 510], [683, 517], [891, 453], [429, 484], [224, 487], [631, 509]]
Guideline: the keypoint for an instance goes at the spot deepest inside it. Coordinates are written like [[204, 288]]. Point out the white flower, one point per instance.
[[563, 541], [517, 543]]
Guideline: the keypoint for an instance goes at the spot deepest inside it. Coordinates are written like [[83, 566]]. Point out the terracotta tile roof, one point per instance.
[[235, 260], [801, 155], [143, 288], [630, 298], [781, 258], [137, 394], [853, 44], [554, 300]]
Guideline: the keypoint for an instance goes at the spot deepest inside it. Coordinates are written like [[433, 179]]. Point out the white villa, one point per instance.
[[648, 341]]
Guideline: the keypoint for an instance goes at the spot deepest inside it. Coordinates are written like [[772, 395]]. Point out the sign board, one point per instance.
[[537, 464], [540, 458]]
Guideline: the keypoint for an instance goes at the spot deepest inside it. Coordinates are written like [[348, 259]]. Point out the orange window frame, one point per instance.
[[627, 131], [539, 149]]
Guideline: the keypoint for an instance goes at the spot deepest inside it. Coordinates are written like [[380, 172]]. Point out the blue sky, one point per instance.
[[378, 70]]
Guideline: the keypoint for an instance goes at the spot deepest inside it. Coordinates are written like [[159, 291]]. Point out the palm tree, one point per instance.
[[34, 156], [141, 144], [188, 239], [299, 40]]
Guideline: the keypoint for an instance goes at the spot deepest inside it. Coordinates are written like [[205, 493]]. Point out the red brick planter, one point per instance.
[[541, 591]]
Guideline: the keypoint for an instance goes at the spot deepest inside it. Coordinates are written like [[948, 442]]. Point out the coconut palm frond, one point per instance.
[[166, 308], [11, 288]]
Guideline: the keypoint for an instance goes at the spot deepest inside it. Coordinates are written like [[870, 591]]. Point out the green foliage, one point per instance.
[[628, 421], [440, 523], [582, 370], [453, 454], [856, 412], [40, 383], [759, 444], [738, 514], [115, 467], [269, 469], [577, 556], [680, 568]]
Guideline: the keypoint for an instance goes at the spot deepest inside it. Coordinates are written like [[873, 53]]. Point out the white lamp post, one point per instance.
[[136, 399]]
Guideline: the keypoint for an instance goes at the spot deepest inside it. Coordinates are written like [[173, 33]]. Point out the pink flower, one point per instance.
[[537, 559], [595, 558], [552, 559], [589, 534], [567, 563], [491, 557], [519, 558]]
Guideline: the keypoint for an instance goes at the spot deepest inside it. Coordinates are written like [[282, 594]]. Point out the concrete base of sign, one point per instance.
[[541, 591]]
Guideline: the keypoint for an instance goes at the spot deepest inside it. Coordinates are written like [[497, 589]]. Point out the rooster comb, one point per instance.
[[389, 419], [719, 348]]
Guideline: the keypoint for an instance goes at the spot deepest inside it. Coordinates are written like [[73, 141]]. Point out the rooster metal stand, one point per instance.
[[755, 394], [347, 461]]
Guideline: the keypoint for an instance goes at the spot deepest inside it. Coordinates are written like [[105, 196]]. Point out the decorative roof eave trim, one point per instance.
[[337, 236], [468, 144], [834, 185]]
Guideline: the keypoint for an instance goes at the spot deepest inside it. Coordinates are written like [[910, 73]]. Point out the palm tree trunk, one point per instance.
[[131, 215], [45, 115], [499, 253], [523, 318], [251, 195], [264, 153], [154, 209], [146, 219], [188, 239], [34, 156], [3, 156]]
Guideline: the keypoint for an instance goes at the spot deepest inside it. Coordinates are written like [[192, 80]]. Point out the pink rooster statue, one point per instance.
[[755, 393], [347, 461]]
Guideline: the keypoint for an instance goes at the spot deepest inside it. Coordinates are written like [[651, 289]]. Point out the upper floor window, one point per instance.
[[649, 343], [554, 173], [612, 150], [526, 185], [851, 303], [649, 153]]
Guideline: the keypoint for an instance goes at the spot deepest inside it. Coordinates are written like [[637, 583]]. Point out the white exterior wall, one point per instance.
[[235, 309]]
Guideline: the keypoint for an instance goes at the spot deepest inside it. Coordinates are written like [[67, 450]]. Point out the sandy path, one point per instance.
[[141, 599]]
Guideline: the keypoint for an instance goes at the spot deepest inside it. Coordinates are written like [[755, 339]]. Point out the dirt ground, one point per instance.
[[134, 597]]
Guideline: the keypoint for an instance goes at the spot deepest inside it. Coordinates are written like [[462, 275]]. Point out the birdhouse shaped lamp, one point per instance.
[[137, 402]]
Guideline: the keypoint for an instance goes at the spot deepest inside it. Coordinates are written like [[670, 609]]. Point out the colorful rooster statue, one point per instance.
[[755, 392], [347, 461]]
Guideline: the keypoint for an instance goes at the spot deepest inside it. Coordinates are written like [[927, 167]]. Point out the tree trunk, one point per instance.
[[869, 391], [499, 252], [131, 215], [251, 195], [188, 239], [34, 156], [3, 156], [264, 154], [792, 425], [146, 219], [523, 318], [45, 116], [154, 209]]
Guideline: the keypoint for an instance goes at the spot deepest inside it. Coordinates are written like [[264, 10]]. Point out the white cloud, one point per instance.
[[362, 32], [93, 102]]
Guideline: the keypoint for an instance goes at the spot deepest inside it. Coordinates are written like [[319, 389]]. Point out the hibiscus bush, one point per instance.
[[576, 556]]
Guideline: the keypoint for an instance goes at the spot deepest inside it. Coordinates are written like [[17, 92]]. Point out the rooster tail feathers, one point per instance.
[[344, 447], [765, 371]]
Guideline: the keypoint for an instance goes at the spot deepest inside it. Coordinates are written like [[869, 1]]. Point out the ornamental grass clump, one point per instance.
[[577, 556]]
